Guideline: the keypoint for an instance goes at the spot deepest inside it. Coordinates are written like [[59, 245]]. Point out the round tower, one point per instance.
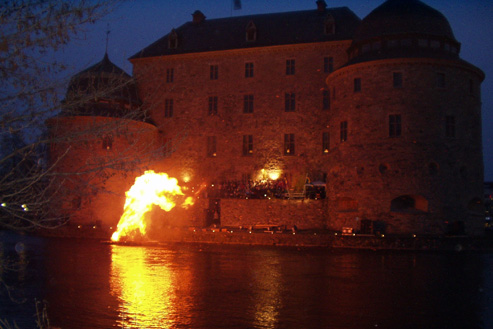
[[406, 152], [102, 140]]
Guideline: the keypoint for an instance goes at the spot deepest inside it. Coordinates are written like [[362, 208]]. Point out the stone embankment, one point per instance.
[[298, 238]]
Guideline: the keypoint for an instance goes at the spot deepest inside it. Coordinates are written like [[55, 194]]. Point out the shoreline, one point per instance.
[[300, 238]]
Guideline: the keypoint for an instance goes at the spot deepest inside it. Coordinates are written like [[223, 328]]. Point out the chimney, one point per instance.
[[321, 5], [198, 17]]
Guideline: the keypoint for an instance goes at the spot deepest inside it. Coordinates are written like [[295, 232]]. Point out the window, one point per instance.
[[423, 43], [450, 126], [326, 100], [248, 70], [167, 146], [392, 43], [214, 72], [290, 66], [471, 87], [289, 144], [343, 131], [435, 44], [440, 80], [211, 146], [329, 25], [168, 108], [251, 32], [325, 142], [397, 77], [173, 40], [213, 105], [328, 64], [289, 102], [394, 125], [247, 145], [169, 75], [357, 85], [248, 104], [107, 142]]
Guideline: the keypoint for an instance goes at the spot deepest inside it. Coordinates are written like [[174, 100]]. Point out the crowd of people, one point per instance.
[[248, 189]]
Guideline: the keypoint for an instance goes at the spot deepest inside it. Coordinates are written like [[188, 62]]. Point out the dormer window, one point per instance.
[[329, 25], [251, 32], [173, 40]]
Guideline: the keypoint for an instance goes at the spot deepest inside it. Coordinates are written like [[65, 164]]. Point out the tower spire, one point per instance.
[[107, 37]]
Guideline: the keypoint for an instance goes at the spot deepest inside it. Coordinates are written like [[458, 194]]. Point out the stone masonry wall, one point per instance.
[[305, 214], [370, 170]]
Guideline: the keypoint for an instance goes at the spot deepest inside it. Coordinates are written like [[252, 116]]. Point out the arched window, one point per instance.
[[173, 40], [251, 32], [409, 203], [329, 25]]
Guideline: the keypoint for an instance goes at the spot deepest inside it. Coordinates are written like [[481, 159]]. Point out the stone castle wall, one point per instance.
[[191, 125], [441, 173], [92, 175]]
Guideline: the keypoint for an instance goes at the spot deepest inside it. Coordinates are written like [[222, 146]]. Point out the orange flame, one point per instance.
[[149, 189]]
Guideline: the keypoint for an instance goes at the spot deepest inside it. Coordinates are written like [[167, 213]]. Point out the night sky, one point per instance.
[[136, 24]]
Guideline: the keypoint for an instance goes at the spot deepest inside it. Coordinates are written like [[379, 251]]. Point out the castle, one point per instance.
[[380, 116]]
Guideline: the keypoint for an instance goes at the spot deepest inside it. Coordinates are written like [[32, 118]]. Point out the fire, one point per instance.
[[149, 189]]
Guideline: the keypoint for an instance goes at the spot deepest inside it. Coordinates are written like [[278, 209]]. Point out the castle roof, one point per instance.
[[201, 35], [104, 80], [395, 17], [103, 89], [403, 29]]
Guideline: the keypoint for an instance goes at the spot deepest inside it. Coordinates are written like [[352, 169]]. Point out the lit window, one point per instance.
[[325, 142], [289, 144], [213, 105], [450, 126], [247, 145], [343, 131], [168, 108], [289, 102], [211, 146], [169, 75], [214, 72], [290, 67], [248, 104], [328, 64], [395, 125], [248, 70]]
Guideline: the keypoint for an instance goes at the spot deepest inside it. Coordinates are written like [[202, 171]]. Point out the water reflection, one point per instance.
[[268, 301], [145, 286], [90, 285]]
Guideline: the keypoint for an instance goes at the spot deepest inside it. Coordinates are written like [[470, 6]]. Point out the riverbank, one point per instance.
[[298, 238]]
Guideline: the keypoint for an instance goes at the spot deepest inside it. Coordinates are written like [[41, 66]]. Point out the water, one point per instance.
[[91, 285]]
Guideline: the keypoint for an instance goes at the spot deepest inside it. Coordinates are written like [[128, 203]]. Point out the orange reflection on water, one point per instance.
[[145, 287], [268, 299]]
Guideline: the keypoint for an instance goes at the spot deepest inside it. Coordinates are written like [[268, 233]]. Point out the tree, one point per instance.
[[31, 31]]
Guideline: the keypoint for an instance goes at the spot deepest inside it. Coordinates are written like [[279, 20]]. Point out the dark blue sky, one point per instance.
[[136, 24]]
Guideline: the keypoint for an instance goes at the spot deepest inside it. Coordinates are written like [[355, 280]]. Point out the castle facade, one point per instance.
[[380, 116]]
